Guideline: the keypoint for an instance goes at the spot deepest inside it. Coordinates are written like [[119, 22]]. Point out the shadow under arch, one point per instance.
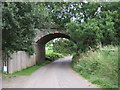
[[40, 54]]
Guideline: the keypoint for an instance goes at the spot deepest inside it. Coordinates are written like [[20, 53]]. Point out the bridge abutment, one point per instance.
[[40, 54]]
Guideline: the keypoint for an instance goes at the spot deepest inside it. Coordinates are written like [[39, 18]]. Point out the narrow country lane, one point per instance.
[[57, 74]]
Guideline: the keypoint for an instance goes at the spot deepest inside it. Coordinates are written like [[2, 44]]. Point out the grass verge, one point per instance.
[[27, 71], [99, 67]]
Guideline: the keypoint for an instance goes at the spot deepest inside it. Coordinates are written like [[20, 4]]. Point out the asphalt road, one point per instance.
[[57, 74]]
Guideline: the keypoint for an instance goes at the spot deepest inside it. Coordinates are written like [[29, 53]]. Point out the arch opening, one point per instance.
[[40, 54]]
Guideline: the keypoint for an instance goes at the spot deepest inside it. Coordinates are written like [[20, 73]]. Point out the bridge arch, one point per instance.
[[40, 44]]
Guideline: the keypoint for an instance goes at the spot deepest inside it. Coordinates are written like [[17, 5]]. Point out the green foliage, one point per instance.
[[49, 50], [100, 67], [84, 34], [93, 30], [18, 23], [62, 13], [17, 31], [88, 23], [41, 17], [61, 45], [64, 46], [59, 13], [53, 56], [99, 20], [114, 7]]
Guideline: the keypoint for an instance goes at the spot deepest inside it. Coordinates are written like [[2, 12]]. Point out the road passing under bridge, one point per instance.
[[57, 74]]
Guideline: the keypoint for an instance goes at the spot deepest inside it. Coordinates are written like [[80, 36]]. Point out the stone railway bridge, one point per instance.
[[21, 60], [42, 37]]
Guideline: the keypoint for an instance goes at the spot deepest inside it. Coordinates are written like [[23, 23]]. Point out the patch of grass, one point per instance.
[[27, 71], [99, 67]]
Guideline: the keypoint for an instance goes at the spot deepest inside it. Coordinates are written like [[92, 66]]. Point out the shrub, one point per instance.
[[100, 66], [53, 56]]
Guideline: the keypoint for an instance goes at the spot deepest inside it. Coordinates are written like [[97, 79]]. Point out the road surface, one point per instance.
[[57, 74]]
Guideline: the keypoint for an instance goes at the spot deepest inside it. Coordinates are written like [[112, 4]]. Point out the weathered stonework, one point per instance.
[[42, 37], [43, 32]]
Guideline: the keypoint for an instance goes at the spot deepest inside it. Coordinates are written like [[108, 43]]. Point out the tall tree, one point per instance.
[[18, 23], [101, 27]]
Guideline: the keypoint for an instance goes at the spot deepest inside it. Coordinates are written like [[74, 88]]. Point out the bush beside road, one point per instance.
[[99, 67]]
